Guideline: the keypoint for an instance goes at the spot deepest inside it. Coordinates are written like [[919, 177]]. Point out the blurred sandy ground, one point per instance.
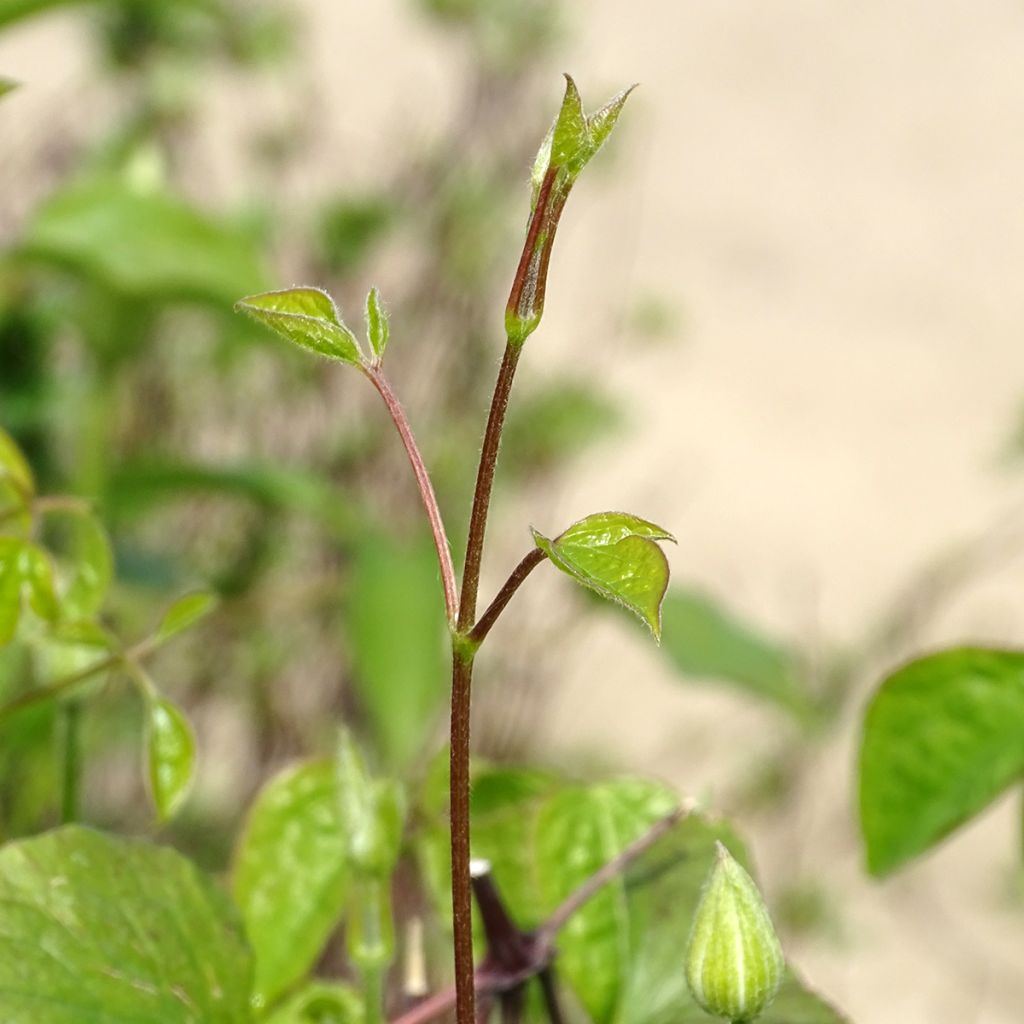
[[829, 197]]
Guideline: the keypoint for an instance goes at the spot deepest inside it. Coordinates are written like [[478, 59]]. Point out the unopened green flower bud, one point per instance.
[[734, 962]]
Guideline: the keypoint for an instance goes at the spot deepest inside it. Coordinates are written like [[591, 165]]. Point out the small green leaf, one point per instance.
[[97, 929], [617, 556], [942, 739], [402, 687], [377, 327], [14, 467], [184, 613], [170, 756], [705, 640], [291, 874], [307, 317], [320, 1002]]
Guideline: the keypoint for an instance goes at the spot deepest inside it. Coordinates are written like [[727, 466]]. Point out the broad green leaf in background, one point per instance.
[[26, 576], [290, 874], [14, 10], [395, 626], [143, 244], [320, 1003], [184, 613], [705, 640], [377, 327], [99, 930], [617, 556], [622, 954], [14, 467], [89, 560], [308, 318], [943, 737], [170, 755]]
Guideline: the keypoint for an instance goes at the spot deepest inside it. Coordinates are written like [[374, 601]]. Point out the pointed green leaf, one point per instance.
[[703, 639], [170, 756], [377, 327], [291, 875], [942, 739], [617, 556], [184, 613], [570, 139], [602, 121], [307, 317], [98, 930], [320, 1002]]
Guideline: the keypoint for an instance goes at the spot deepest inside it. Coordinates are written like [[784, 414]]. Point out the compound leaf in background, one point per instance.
[[943, 737], [100, 930], [705, 640], [184, 613], [395, 626], [378, 329], [306, 317], [320, 1002], [170, 755], [617, 556], [290, 874]]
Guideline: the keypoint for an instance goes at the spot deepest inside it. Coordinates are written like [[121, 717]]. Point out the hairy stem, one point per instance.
[[462, 898], [426, 488], [484, 486], [512, 584]]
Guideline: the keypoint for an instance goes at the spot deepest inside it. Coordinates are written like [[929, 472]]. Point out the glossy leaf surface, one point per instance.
[[943, 737], [616, 555], [397, 635], [98, 930], [290, 875], [170, 756], [705, 640], [308, 318]]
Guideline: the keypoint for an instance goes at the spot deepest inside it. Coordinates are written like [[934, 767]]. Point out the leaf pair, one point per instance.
[[309, 318]]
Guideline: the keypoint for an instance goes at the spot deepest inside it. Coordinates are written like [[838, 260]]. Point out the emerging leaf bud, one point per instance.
[[568, 147], [734, 962]]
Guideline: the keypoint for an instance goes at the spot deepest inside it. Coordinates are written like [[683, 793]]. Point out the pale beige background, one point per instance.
[[830, 198]]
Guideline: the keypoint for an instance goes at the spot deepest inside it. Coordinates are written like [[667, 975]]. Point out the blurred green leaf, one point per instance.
[[184, 613], [15, 468], [320, 1002], [7, 85], [377, 326], [308, 318], [135, 486], [16, 10], [109, 929], [291, 874], [372, 812], [554, 423], [170, 754], [350, 228], [26, 577], [90, 563], [143, 244], [395, 626], [615, 555], [705, 640], [942, 739]]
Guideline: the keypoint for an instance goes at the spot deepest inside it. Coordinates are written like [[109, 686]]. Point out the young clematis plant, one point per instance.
[[614, 554]]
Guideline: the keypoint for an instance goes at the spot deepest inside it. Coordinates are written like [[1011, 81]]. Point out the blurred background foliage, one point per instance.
[[217, 460]]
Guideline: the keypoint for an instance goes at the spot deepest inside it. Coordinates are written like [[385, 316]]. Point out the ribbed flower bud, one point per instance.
[[734, 962]]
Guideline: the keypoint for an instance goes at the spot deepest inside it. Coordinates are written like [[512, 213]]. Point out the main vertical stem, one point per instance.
[[462, 677]]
